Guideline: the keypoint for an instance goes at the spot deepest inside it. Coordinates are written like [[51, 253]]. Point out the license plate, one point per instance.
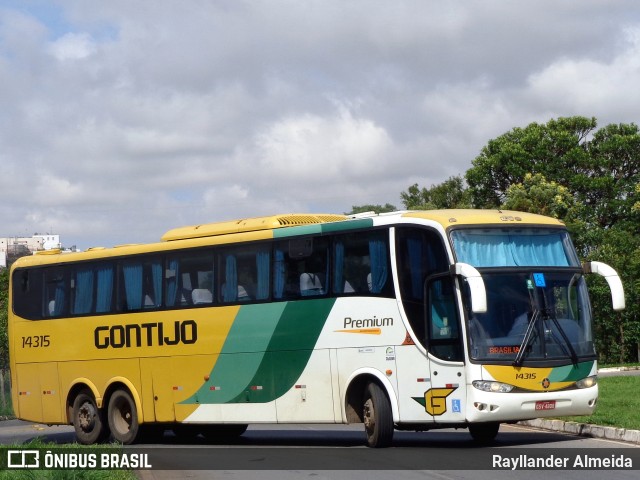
[[546, 405]]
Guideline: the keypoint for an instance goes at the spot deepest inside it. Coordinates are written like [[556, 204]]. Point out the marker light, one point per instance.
[[494, 387], [587, 382]]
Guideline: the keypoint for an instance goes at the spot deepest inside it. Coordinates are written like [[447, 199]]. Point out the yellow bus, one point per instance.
[[412, 320]]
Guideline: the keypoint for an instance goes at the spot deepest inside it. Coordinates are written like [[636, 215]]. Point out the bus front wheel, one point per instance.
[[88, 420], [123, 417], [377, 417]]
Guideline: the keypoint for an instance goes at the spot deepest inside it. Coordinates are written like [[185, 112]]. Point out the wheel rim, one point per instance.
[[87, 417], [369, 416], [122, 417]]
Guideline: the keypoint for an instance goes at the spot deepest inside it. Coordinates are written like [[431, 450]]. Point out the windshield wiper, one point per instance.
[[527, 339]]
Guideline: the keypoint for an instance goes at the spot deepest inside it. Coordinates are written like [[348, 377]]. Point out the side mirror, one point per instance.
[[476, 286], [612, 278]]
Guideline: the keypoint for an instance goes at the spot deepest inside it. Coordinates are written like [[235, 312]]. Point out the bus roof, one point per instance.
[[250, 225], [450, 218], [446, 218]]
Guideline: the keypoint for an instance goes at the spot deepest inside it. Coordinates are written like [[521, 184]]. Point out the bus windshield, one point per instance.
[[533, 316]]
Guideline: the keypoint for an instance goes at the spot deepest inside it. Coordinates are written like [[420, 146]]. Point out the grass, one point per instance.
[[618, 404], [7, 408], [76, 474]]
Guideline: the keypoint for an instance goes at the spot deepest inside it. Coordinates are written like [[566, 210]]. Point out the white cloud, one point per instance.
[[314, 147], [73, 46], [607, 89]]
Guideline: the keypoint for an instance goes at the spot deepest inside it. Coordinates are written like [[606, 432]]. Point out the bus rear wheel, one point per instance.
[[88, 421], [123, 417], [484, 433], [377, 417]]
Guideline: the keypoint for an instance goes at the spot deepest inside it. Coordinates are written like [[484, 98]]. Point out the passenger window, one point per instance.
[[361, 263], [92, 288], [189, 279], [27, 293], [301, 268], [245, 274], [56, 302], [141, 284]]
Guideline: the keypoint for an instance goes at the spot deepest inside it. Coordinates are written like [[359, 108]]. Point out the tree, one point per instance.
[[372, 208], [535, 194], [452, 193], [557, 150]]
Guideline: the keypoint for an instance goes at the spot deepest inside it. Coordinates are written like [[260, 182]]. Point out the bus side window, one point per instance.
[[141, 284], [55, 301], [189, 279], [361, 263], [28, 293], [245, 274], [300, 268]]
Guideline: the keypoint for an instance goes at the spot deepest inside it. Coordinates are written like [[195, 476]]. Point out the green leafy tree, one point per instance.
[[557, 150], [537, 195], [372, 208], [452, 193]]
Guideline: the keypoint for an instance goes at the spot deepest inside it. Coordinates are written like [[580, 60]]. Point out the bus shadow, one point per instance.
[[338, 438], [435, 439]]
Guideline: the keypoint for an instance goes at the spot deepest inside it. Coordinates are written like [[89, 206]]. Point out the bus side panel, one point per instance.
[[157, 389], [311, 398], [28, 388], [39, 392], [414, 380]]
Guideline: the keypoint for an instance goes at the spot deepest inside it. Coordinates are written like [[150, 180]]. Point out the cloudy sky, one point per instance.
[[122, 119]]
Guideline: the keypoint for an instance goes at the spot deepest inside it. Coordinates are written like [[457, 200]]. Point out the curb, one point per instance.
[[619, 369], [586, 430]]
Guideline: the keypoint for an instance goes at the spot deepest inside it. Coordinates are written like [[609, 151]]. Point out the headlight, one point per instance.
[[587, 382], [488, 386]]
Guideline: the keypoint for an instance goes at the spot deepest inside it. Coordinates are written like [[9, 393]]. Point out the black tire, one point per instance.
[[88, 419], [377, 417], [123, 417], [218, 433], [484, 433]]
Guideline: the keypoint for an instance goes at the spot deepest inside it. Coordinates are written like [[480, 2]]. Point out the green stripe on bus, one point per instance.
[[289, 350], [570, 373], [265, 352], [242, 353], [323, 228]]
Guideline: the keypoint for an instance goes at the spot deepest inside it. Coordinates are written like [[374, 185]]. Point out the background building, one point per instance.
[[12, 248]]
